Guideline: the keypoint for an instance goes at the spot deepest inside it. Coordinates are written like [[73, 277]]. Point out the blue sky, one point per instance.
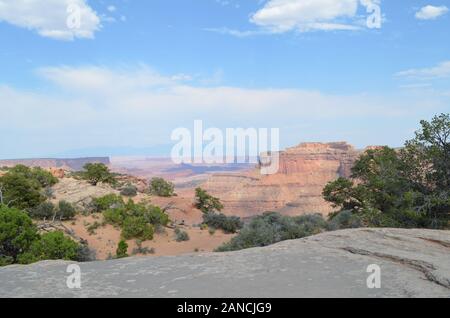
[[133, 71]]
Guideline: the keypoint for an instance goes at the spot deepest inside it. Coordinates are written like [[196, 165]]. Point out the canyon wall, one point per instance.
[[296, 189], [74, 164]]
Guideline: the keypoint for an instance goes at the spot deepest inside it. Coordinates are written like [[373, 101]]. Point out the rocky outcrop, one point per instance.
[[57, 172], [79, 192], [140, 184], [75, 164], [412, 263], [296, 188]]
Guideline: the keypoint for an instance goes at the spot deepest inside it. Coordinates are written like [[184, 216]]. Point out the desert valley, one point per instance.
[[295, 190]]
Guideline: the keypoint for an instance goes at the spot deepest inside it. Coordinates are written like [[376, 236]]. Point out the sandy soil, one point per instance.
[[105, 239]]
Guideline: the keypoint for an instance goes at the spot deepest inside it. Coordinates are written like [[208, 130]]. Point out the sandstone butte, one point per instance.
[[296, 189]]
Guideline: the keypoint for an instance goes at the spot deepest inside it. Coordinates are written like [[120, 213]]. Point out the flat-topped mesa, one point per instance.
[[315, 157], [318, 147]]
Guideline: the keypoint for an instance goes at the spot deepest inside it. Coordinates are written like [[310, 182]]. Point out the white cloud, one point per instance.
[[50, 18], [144, 88], [430, 12], [111, 8], [95, 106], [101, 80], [441, 70], [305, 15]]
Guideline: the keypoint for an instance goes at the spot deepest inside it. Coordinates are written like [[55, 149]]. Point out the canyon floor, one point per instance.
[[105, 238], [414, 263]]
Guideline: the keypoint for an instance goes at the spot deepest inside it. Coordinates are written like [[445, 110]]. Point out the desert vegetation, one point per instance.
[[272, 227], [229, 224], [206, 202], [129, 191], [47, 210], [24, 188], [95, 173], [136, 220], [122, 249], [20, 241], [161, 187], [407, 188], [181, 236]]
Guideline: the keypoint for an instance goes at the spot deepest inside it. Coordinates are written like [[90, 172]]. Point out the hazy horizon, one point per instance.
[[131, 72]]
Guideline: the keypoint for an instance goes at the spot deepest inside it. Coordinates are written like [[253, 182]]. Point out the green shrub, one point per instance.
[[97, 172], [51, 246], [142, 250], [206, 202], [136, 220], [21, 243], [20, 191], [106, 202], [45, 210], [66, 211], [45, 178], [408, 188], [17, 234], [122, 249], [137, 227], [181, 236], [115, 216], [272, 227], [229, 224], [343, 220], [49, 193], [156, 216], [129, 191], [85, 253], [22, 187], [161, 187]]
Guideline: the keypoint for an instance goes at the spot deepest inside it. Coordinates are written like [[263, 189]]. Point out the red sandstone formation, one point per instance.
[[297, 187], [57, 172]]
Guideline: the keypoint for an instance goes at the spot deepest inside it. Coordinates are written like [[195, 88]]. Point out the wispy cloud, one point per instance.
[[236, 33], [442, 70]]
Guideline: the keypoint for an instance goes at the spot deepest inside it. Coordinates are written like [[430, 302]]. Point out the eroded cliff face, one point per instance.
[[296, 189]]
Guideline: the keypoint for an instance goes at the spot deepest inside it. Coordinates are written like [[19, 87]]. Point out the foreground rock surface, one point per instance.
[[414, 263]]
